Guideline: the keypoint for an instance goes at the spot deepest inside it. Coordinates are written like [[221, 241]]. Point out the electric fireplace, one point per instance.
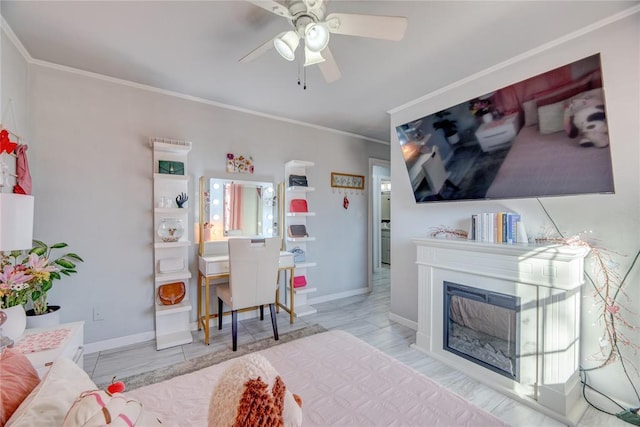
[[483, 327], [507, 316]]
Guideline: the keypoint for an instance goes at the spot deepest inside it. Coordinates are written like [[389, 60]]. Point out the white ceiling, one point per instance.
[[193, 47]]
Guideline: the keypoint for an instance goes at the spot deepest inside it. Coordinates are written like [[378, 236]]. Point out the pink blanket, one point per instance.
[[342, 380]]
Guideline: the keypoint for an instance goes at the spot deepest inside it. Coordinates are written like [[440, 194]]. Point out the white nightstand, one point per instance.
[[71, 346], [498, 133]]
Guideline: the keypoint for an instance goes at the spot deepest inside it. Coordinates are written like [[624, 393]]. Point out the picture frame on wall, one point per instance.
[[346, 180]]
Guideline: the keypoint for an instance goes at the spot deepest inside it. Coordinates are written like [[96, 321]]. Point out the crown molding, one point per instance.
[[518, 58], [46, 64]]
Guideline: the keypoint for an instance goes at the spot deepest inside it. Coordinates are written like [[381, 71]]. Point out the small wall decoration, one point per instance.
[[239, 164], [345, 180]]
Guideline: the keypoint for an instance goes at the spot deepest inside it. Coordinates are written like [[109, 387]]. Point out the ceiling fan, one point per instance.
[[314, 28]]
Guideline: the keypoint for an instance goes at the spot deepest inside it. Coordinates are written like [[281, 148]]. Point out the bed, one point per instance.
[[342, 380], [539, 164]]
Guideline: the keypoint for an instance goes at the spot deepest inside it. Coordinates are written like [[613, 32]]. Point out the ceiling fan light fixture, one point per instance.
[[286, 44], [316, 36], [311, 57]]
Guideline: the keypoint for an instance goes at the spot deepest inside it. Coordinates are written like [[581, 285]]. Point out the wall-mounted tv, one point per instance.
[[543, 136]]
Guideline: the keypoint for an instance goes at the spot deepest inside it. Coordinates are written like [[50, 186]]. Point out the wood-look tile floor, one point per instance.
[[365, 316]]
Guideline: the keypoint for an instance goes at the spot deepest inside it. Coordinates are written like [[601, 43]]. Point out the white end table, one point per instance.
[[71, 345], [498, 133]]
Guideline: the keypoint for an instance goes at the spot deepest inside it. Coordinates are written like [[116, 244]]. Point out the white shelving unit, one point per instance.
[[298, 167], [172, 321]]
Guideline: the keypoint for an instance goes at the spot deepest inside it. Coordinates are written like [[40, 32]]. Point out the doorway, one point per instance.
[[379, 171]]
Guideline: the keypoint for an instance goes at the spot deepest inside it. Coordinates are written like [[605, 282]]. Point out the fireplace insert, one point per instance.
[[483, 327]]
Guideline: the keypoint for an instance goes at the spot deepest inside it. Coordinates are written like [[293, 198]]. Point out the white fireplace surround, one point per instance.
[[547, 279]]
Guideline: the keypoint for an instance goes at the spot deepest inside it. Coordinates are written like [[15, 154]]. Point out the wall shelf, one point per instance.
[[172, 277], [301, 214], [167, 245], [169, 177], [171, 211], [172, 321], [299, 305]]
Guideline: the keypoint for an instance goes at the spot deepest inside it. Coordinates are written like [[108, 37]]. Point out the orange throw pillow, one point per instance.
[[17, 378]]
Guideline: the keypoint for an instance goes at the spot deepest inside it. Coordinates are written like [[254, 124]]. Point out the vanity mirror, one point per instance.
[[235, 207]]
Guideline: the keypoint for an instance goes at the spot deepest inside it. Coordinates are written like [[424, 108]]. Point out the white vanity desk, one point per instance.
[[216, 267]]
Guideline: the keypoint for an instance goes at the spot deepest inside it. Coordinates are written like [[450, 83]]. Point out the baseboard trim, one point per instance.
[[340, 295], [403, 321], [94, 347], [151, 335]]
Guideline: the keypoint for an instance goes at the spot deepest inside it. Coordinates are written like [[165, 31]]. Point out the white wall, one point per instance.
[[91, 169], [13, 97], [613, 218]]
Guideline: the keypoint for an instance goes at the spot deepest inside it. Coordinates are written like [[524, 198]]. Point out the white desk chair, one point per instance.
[[253, 280]]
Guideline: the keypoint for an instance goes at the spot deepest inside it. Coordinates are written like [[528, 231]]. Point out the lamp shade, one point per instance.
[[316, 37], [311, 57], [16, 221], [286, 44]]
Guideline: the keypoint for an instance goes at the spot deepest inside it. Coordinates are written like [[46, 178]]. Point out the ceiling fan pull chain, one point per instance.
[[299, 73], [304, 71]]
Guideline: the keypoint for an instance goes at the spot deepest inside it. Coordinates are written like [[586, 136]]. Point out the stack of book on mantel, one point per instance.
[[497, 227]]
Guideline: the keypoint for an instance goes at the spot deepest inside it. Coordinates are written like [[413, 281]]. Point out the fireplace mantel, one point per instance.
[[547, 279]]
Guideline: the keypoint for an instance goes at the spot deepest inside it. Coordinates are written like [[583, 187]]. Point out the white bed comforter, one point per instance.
[[342, 380]]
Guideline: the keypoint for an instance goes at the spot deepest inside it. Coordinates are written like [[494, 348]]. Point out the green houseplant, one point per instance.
[[28, 276], [47, 270]]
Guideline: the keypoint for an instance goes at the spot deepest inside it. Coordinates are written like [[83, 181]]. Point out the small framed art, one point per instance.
[[345, 180]]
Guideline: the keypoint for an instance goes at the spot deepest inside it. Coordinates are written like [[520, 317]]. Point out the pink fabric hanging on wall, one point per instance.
[[23, 185]]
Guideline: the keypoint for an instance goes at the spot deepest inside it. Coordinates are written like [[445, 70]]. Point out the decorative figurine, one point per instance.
[[181, 199]]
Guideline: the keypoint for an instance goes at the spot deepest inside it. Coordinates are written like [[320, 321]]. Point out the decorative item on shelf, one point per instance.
[[298, 181], [164, 202], [170, 230], [171, 293], [239, 164], [181, 199], [298, 205], [170, 265], [299, 281], [448, 233], [170, 167], [298, 254], [298, 230]]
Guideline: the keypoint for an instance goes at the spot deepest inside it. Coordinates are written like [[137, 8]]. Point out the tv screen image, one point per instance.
[[543, 136]]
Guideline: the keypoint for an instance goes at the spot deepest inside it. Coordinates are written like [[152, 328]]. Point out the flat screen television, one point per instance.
[[543, 136]]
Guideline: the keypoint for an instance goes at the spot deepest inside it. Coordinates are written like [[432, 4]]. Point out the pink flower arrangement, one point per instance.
[[28, 276]]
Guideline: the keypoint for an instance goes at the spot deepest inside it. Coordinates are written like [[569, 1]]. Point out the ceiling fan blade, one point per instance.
[[313, 4], [272, 6], [373, 26], [257, 51], [328, 67]]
